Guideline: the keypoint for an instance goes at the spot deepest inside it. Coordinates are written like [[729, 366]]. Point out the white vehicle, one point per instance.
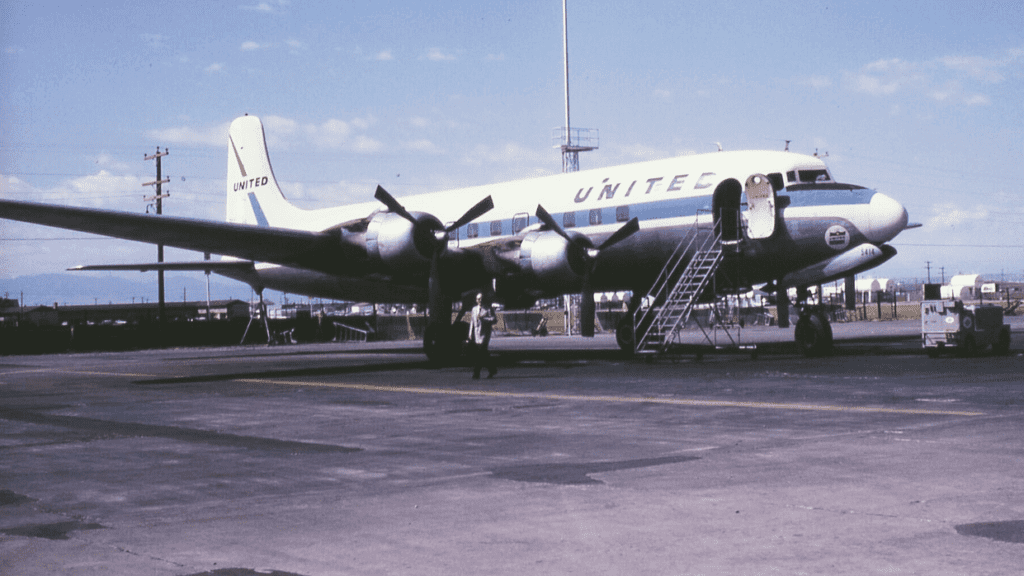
[[948, 325]]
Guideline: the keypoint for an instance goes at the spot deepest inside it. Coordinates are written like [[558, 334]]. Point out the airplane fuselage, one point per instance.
[[816, 219]]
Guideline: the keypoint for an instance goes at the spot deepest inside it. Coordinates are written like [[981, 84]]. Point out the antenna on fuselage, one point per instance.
[[572, 141]]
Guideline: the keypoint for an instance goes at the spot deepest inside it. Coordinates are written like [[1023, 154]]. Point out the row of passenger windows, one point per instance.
[[596, 216], [569, 220]]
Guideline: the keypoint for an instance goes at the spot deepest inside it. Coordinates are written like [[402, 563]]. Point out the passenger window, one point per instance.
[[595, 216], [621, 213], [569, 220], [472, 230], [496, 228], [791, 176]]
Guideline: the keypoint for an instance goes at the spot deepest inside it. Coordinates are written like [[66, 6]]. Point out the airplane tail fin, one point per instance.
[[253, 196]]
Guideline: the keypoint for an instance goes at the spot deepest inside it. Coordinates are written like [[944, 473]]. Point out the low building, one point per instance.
[[150, 312]]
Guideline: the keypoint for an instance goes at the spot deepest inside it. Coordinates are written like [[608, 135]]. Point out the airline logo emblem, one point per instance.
[[837, 237]]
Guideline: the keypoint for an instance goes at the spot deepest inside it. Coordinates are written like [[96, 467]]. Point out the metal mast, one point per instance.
[[572, 141]]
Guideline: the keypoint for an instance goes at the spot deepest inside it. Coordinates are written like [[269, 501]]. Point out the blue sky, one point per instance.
[[921, 100]]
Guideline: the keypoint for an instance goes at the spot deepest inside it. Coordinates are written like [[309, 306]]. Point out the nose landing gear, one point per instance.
[[813, 332]]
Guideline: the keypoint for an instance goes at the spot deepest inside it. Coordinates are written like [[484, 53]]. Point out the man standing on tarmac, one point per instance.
[[481, 320]]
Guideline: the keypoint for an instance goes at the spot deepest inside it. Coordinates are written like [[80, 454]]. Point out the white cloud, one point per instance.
[[437, 55], [510, 153], [419, 121], [296, 45], [250, 45], [107, 161], [956, 80], [215, 67], [214, 136], [495, 57], [424, 145], [268, 7], [977, 100], [282, 134], [384, 56], [102, 189], [950, 216], [364, 123], [984, 69], [662, 94]]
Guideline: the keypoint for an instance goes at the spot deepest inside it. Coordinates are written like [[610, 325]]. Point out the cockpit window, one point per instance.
[[814, 176]]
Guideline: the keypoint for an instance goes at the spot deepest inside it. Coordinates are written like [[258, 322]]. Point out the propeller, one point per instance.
[[582, 256], [431, 238]]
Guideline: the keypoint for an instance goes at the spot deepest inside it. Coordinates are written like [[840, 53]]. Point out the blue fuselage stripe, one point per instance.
[[662, 209]]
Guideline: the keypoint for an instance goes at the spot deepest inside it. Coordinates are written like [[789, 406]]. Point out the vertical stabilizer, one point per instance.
[[253, 196]]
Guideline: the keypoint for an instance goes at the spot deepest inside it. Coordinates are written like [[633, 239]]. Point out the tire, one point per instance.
[[624, 335], [813, 335], [969, 348], [1001, 347], [442, 343]]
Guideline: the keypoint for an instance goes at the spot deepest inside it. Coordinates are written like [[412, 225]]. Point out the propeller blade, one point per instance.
[[588, 309], [627, 230], [549, 221], [482, 207], [388, 200]]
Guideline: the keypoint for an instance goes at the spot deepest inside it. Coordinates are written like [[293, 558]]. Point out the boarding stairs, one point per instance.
[[657, 326]]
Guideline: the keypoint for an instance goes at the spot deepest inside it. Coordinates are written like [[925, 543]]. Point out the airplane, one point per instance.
[[607, 229]]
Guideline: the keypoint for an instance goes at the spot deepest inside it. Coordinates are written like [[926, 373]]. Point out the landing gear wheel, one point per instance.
[[624, 335], [814, 335], [443, 343]]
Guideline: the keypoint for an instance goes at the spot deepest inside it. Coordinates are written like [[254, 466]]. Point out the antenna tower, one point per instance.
[[572, 141]]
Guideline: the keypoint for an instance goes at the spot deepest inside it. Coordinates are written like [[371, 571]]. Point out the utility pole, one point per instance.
[[161, 308], [928, 265]]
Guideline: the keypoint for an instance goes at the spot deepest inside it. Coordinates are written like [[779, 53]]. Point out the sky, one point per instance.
[[921, 100]]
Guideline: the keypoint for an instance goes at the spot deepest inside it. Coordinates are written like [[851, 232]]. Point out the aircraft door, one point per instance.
[[726, 207], [760, 207]]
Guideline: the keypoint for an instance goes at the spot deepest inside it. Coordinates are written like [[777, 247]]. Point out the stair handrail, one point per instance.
[[685, 281]]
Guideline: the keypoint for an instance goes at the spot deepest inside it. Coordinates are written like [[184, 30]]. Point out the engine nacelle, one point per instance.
[[398, 244], [555, 263]]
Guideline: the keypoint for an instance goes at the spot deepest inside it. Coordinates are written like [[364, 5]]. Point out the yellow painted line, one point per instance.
[[615, 399]]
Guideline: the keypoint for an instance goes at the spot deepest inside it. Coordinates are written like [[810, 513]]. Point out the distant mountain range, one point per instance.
[[116, 288]]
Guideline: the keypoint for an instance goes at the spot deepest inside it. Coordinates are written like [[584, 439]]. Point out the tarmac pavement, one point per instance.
[[362, 459]]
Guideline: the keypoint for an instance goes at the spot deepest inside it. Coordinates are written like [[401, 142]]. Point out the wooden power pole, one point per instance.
[[159, 196]]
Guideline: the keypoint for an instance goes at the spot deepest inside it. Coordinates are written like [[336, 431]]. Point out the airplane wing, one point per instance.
[[325, 251], [203, 266]]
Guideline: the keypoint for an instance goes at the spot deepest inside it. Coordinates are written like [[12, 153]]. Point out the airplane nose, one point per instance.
[[888, 218]]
